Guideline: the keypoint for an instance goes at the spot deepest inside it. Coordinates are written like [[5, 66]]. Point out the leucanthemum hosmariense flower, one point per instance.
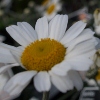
[[49, 8], [52, 8], [49, 53], [97, 21]]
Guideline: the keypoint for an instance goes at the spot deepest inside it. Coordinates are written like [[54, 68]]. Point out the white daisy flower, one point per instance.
[[97, 21], [52, 8], [49, 8], [97, 17], [48, 53]]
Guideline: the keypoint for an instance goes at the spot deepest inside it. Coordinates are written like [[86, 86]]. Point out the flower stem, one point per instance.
[[45, 95]]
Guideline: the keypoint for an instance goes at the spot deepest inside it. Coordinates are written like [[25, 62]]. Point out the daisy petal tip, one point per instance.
[[65, 15], [81, 22], [18, 23], [43, 18], [64, 91], [7, 28]]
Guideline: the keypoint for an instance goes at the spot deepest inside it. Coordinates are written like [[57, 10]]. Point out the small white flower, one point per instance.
[[97, 21], [49, 8], [52, 8], [49, 53], [97, 17]]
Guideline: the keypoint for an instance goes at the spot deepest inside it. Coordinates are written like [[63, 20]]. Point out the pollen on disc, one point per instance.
[[43, 54]]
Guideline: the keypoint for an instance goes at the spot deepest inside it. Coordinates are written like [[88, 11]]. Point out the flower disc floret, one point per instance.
[[43, 54]]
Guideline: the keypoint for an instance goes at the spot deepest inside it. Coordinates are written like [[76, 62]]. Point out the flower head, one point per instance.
[[48, 53], [97, 17], [52, 8], [97, 21], [49, 8]]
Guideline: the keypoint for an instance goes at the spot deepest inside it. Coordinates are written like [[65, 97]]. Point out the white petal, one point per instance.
[[31, 29], [16, 33], [58, 71], [5, 55], [61, 69], [20, 49], [62, 83], [9, 47], [85, 35], [28, 31], [42, 28], [80, 63], [57, 26], [3, 80], [6, 96], [17, 56], [6, 67], [73, 32], [82, 48], [76, 79], [42, 81], [17, 83]]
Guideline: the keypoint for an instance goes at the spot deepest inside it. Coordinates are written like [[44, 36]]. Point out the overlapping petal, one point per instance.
[[73, 32], [28, 30], [83, 48], [84, 36], [62, 83], [16, 33], [42, 81], [41, 28], [80, 63], [76, 79], [6, 67], [57, 27], [16, 84]]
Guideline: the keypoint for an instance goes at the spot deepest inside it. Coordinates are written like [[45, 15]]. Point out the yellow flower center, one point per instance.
[[43, 55], [50, 9]]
